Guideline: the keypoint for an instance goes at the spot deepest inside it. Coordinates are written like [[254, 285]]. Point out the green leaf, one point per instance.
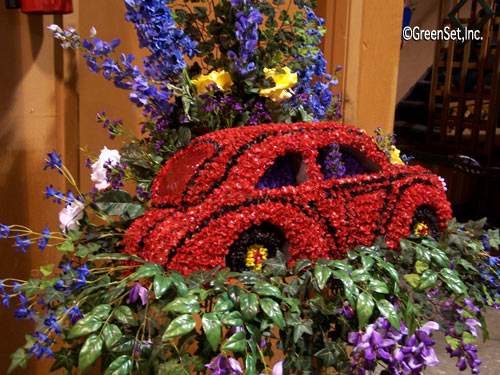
[[360, 276], [304, 326], [179, 283], [19, 359], [223, 303], [440, 258], [273, 310], [367, 262], [179, 327], [31, 287], [111, 334], [300, 265], [125, 344], [234, 318], [91, 350], [120, 366], [249, 306], [125, 315], [250, 365], [427, 280], [420, 267], [364, 308], [101, 311], [161, 285], [135, 210], [47, 269], [378, 286], [350, 289], [236, 343], [452, 281], [67, 246], [212, 327], [387, 309], [148, 270], [266, 289], [468, 338], [114, 202], [321, 274], [339, 265], [85, 326], [413, 279], [389, 268], [184, 305], [454, 343]]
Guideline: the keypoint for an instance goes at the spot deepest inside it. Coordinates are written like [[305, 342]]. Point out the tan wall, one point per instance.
[[374, 33], [49, 100], [30, 126]]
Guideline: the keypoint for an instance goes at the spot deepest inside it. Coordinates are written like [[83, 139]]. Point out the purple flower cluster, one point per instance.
[[115, 172], [402, 354], [247, 33], [222, 365], [113, 127], [227, 108], [330, 160], [459, 343]]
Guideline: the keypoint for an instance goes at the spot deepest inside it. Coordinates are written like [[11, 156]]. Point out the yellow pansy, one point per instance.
[[283, 81], [421, 229], [255, 255], [222, 79], [395, 159]]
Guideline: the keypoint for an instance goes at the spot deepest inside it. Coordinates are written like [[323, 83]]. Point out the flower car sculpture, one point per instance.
[[311, 190]]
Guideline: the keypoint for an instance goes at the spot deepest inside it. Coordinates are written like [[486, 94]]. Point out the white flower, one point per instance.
[[443, 181], [108, 157], [70, 215]]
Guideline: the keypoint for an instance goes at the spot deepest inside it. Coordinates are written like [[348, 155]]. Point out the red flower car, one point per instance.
[[311, 190]]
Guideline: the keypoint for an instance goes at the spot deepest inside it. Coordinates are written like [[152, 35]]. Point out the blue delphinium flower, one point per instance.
[[50, 192], [24, 312], [53, 161], [5, 296], [51, 323], [4, 231], [44, 239], [247, 33], [40, 349], [74, 314], [22, 243]]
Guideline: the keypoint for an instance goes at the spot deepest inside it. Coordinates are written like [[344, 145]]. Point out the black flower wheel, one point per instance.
[[255, 245], [424, 222]]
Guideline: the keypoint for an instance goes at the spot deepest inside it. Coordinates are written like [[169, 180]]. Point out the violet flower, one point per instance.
[[138, 291]]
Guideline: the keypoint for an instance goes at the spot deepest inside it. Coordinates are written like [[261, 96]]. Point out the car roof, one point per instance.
[[201, 167]]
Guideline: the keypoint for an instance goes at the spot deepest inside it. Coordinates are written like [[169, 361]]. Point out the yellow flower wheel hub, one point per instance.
[[421, 229], [255, 255]]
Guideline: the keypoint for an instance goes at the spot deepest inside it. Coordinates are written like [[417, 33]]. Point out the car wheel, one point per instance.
[[253, 246], [425, 222]]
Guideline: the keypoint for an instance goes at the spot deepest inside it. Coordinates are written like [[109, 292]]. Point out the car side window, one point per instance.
[[287, 170], [338, 160]]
